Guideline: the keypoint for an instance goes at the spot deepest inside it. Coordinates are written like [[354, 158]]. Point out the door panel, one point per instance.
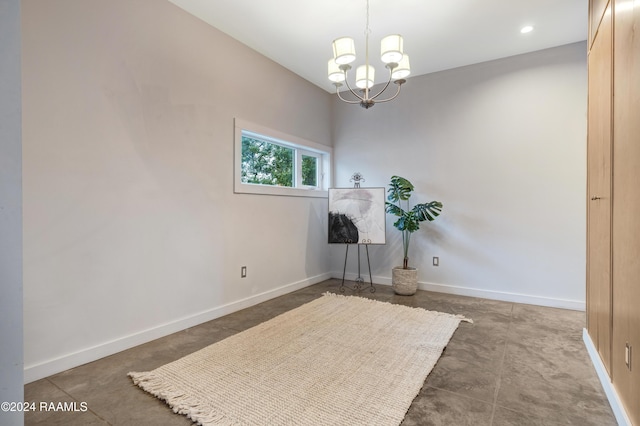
[[599, 191]]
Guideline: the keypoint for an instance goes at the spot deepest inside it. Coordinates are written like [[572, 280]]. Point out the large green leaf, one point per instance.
[[427, 211], [399, 189], [407, 222], [412, 223], [400, 224], [393, 209]]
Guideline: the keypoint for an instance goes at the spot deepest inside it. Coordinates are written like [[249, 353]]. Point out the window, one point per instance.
[[270, 162]]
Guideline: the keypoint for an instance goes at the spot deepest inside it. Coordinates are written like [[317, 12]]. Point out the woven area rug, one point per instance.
[[338, 360]]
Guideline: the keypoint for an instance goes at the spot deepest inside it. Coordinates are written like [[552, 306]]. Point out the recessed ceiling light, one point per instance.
[[526, 29]]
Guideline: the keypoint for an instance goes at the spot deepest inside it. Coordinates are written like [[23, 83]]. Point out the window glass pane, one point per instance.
[[266, 163], [309, 170]]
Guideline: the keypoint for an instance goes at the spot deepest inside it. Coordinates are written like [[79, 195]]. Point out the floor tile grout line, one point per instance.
[[75, 399], [501, 367]]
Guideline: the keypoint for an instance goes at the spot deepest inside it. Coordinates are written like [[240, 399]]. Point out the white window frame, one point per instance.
[[301, 147]]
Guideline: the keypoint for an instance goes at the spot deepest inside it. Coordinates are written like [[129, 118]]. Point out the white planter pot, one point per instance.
[[404, 281]]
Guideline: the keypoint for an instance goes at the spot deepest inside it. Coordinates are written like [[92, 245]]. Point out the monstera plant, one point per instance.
[[409, 218]]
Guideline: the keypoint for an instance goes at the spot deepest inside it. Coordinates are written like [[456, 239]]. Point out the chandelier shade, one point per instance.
[[344, 50], [403, 69], [391, 49], [365, 76], [334, 72]]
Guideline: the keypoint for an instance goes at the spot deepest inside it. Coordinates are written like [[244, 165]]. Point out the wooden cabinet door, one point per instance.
[[626, 206], [599, 191]]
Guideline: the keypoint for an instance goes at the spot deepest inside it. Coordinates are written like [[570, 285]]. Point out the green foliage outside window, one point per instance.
[[266, 163], [309, 170]]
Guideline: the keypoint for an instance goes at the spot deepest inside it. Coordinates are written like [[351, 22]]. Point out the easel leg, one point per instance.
[[359, 279], [372, 289], [344, 270]]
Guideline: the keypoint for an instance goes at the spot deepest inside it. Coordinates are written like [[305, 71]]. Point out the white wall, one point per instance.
[[11, 355], [502, 145], [132, 230]]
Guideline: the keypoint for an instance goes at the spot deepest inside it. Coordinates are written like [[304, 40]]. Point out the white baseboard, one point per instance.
[[75, 359], [576, 305], [609, 390]]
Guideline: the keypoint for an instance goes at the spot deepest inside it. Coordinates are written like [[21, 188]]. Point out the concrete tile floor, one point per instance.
[[515, 365]]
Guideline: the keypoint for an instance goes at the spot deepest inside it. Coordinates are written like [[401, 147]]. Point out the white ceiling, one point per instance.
[[438, 34]]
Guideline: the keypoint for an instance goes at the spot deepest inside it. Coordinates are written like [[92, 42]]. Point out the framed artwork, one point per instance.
[[357, 216]]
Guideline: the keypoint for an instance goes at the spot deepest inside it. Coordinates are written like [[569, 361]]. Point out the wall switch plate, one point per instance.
[[436, 261], [243, 272]]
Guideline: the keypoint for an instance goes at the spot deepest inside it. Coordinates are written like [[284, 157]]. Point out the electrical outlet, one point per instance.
[[243, 272], [436, 261]]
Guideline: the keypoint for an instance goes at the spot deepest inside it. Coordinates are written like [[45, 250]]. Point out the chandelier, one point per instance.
[[391, 53]]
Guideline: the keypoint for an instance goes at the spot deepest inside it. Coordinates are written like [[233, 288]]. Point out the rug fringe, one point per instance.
[[458, 316], [178, 401], [464, 319]]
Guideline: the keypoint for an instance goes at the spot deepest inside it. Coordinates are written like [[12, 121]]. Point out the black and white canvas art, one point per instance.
[[357, 216]]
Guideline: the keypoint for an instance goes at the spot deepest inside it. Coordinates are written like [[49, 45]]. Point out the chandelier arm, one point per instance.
[[393, 97], [346, 100], [383, 89], [351, 90]]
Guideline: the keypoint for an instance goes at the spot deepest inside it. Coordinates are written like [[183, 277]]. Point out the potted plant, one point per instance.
[[405, 279]]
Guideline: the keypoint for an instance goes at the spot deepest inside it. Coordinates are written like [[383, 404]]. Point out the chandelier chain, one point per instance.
[[367, 30], [366, 46]]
